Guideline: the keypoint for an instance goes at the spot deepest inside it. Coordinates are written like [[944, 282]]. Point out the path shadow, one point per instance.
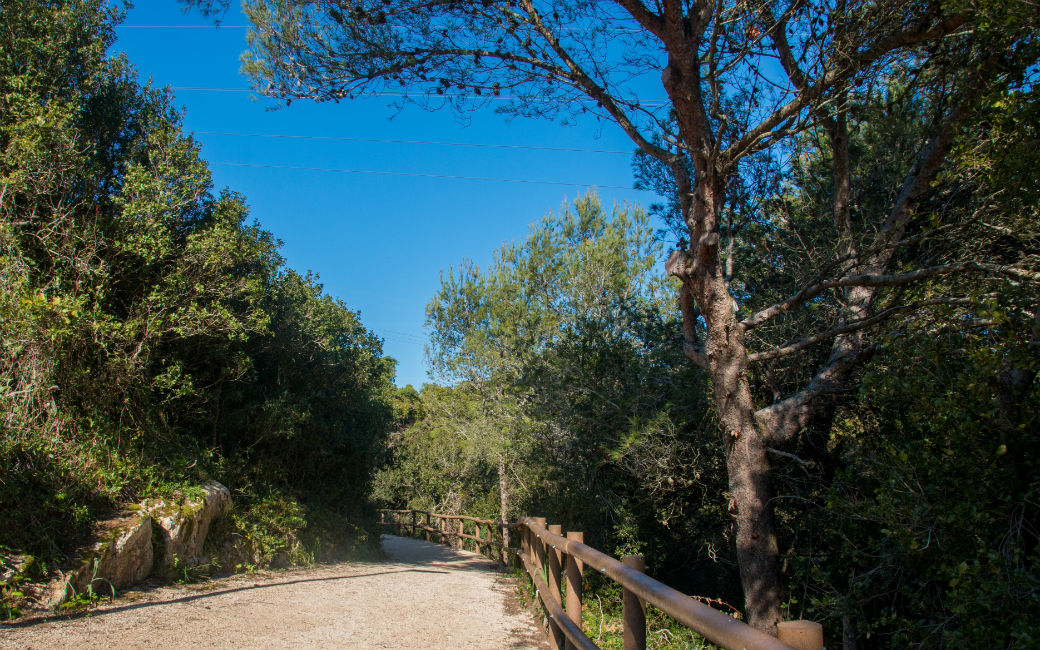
[[94, 613], [407, 550]]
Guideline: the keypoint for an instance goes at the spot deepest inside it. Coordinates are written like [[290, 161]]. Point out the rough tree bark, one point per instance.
[[503, 499]]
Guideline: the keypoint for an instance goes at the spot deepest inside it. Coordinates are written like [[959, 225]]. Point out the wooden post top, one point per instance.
[[801, 635]]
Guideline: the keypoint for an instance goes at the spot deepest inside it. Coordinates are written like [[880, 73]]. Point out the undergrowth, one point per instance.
[[602, 617], [151, 336]]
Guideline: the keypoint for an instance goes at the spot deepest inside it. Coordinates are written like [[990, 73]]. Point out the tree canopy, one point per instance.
[[151, 337], [731, 100]]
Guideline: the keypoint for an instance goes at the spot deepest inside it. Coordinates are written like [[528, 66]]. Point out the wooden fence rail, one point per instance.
[[555, 563], [420, 523]]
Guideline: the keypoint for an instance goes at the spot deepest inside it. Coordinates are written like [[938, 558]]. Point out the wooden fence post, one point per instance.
[[539, 544], [801, 635], [572, 569], [525, 545], [553, 574], [633, 609], [538, 555]]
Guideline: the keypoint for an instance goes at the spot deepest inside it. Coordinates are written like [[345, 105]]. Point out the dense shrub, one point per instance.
[[151, 337]]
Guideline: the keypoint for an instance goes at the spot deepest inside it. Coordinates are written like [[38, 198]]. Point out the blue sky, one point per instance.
[[379, 241]]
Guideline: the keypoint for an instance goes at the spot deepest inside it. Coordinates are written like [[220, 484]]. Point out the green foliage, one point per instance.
[[906, 512], [15, 572], [150, 337], [446, 461], [927, 533], [571, 378], [912, 520]]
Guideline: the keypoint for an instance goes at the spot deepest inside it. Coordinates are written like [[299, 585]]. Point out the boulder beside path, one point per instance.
[[153, 537]]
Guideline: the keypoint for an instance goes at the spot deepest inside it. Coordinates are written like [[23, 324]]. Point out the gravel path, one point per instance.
[[424, 596]]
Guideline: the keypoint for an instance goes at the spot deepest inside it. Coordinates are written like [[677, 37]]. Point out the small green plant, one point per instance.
[[89, 597], [183, 573], [11, 597], [602, 618]]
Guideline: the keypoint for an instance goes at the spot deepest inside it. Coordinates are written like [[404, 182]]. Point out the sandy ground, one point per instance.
[[424, 596]]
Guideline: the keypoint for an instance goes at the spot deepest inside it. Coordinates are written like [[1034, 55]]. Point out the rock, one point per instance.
[[182, 528], [121, 558], [14, 566], [125, 554], [234, 556]]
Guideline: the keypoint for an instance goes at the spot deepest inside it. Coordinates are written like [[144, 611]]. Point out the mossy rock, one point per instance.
[[182, 528], [120, 556]]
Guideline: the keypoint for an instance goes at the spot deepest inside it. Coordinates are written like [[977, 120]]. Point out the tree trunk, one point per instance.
[[757, 547], [749, 481], [848, 633], [726, 360], [726, 353], [503, 499]]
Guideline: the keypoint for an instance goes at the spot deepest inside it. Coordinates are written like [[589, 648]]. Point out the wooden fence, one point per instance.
[[454, 530], [555, 563]]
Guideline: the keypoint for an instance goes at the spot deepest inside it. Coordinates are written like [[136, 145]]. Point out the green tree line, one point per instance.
[[838, 178], [824, 407], [851, 191], [905, 520], [151, 337]]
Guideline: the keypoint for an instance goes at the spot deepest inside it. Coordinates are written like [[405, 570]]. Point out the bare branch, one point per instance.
[[810, 291], [860, 324], [781, 421], [787, 454], [695, 354], [583, 81], [692, 347], [924, 170], [764, 134], [650, 21]]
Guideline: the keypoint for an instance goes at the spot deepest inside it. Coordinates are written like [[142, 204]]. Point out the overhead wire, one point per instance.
[[389, 140], [376, 172], [657, 103], [627, 30], [422, 142]]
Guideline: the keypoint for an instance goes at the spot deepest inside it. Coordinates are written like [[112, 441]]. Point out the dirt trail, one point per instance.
[[424, 596]]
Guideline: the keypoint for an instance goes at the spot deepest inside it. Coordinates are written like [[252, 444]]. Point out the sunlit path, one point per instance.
[[423, 596]]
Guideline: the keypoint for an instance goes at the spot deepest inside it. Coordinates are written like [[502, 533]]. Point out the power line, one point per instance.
[[212, 90], [425, 142], [634, 30], [423, 175], [181, 26], [585, 100], [402, 342]]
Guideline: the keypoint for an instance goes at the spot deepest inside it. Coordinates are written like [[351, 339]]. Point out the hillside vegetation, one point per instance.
[[151, 337]]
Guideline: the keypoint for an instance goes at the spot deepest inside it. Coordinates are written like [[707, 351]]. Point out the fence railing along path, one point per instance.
[[555, 563]]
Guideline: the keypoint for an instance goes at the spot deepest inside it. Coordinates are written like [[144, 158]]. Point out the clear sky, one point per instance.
[[379, 241]]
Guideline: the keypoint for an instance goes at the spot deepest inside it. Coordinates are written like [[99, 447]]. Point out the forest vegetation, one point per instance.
[[152, 337], [850, 202], [825, 408]]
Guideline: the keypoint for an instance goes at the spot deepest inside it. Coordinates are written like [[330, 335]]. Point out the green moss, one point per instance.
[[188, 527]]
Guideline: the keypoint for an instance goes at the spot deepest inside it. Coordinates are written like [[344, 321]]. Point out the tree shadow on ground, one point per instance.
[[94, 613], [406, 550]]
